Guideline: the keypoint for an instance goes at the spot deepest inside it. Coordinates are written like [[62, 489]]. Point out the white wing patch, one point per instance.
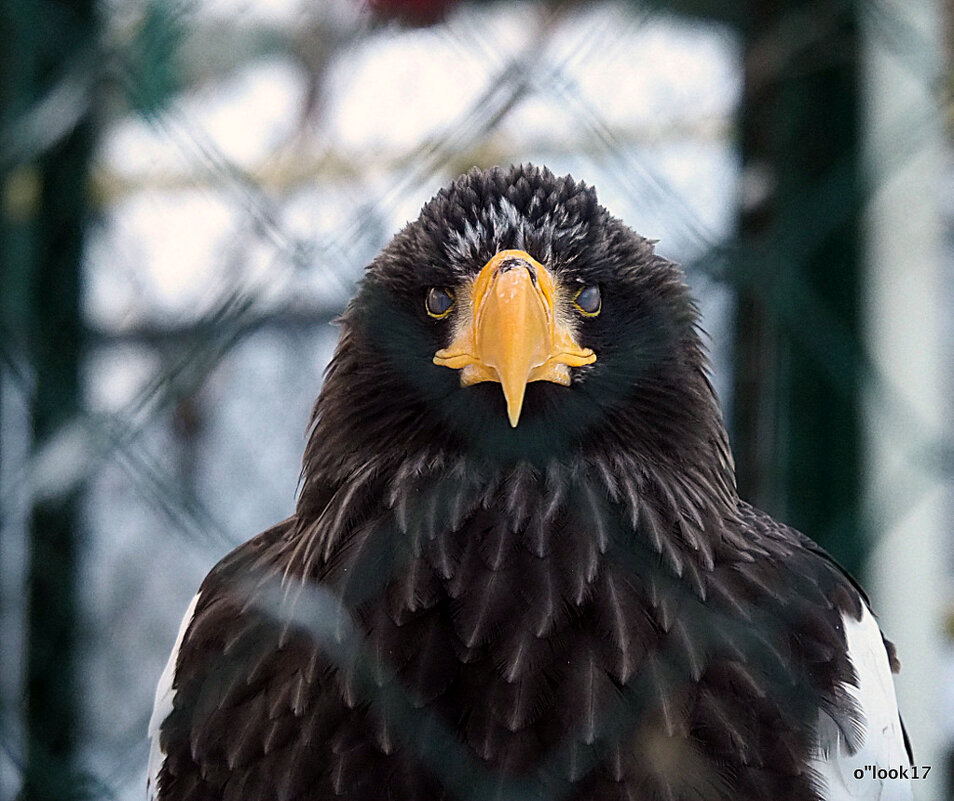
[[882, 747], [162, 706]]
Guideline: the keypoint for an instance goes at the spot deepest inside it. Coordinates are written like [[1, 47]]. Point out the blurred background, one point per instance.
[[189, 190]]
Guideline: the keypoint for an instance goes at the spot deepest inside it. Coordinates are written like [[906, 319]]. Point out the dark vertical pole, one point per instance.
[[796, 424], [46, 206]]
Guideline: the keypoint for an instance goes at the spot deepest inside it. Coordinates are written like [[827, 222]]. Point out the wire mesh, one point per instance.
[[253, 161]]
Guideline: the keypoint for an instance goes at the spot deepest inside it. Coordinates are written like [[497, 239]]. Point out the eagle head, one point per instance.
[[517, 320]]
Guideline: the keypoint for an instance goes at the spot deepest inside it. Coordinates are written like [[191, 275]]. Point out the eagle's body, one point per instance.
[[575, 606]]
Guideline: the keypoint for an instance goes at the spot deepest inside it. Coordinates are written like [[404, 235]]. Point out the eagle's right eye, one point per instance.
[[589, 300], [439, 302]]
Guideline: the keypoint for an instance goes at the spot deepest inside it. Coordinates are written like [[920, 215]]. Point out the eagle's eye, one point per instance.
[[439, 302], [589, 300]]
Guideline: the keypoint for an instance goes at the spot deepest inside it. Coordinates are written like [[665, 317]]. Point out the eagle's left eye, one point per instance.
[[439, 302], [589, 300]]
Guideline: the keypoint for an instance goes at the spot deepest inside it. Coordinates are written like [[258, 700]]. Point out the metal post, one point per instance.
[[45, 210], [796, 422]]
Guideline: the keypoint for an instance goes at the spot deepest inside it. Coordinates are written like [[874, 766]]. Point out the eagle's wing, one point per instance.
[[162, 706], [201, 666], [859, 724], [848, 774]]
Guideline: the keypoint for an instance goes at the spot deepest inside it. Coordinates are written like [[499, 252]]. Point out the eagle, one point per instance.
[[519, 567]]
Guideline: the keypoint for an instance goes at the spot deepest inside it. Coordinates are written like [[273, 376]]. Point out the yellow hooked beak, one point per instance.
[[512, 334]]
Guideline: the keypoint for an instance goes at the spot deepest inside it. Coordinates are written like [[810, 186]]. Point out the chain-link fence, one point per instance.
[[237, 166]]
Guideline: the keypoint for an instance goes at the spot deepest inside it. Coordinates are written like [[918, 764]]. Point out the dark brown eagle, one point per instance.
[[519, 567]]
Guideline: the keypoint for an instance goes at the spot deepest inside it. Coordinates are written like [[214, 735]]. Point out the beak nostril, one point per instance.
[[508, 264]]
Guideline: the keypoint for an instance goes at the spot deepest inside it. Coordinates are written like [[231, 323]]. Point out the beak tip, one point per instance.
[[513, 413], [514, 400]]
